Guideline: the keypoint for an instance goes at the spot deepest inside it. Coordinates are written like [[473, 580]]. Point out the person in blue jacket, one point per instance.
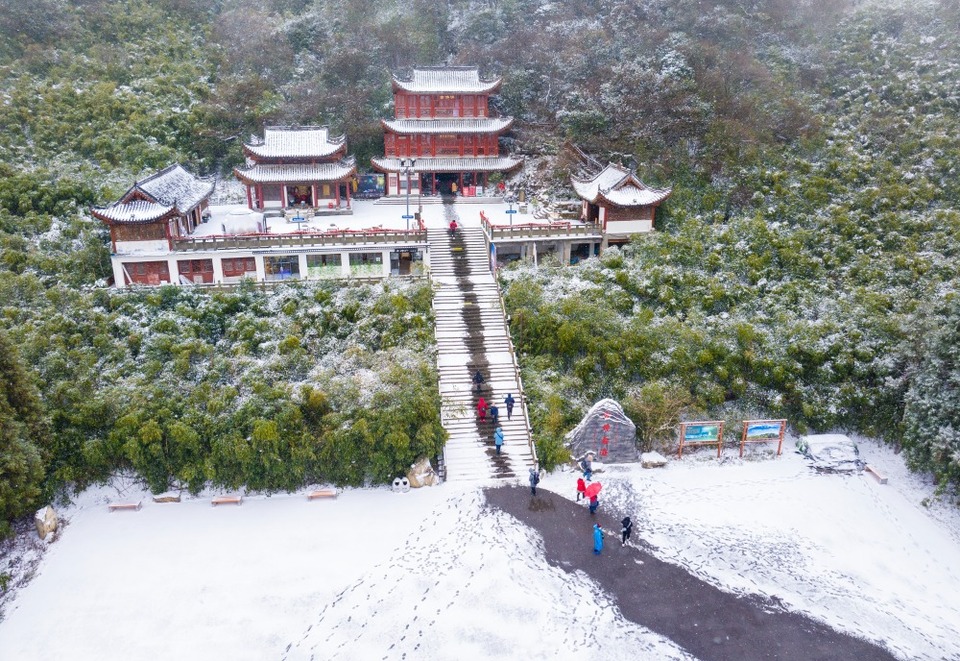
[[597, 539], [498, 438], [509, 402]]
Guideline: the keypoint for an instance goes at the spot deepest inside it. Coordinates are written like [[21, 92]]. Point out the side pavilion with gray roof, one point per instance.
[[156, 210], [615, 198], [297, 167]]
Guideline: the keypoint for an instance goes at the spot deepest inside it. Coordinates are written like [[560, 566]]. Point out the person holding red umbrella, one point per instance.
[[591, 492]]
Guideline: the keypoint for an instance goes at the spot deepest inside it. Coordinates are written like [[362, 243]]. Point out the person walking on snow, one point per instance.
[[597, 539], [498, 438], [581, 488], [534, 481], [478, 379], [482, 409], [509, 402], [494, 414], [626, 529], [594, 504]]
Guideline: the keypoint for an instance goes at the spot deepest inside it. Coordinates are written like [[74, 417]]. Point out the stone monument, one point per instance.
[[607, 432]]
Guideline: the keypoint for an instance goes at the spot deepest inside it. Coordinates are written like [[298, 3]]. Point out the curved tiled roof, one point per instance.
[[261, 173], [453, 164], [461, 125], [171, 191], [296, 142], [174, 186], [620, 187], [135, 212], [427, 80]]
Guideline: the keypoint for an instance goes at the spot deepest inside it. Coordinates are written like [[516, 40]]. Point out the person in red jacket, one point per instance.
[[581, 489], [482, 409]]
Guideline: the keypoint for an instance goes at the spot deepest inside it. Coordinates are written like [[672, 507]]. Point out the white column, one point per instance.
[[119, 278], [217, 269], [303, 266], [386, 263], [345, 264], [261, 273], [565, 251], [174, 270]]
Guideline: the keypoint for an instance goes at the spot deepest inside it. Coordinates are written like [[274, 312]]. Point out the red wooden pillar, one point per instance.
[[336, 187], [316, 199], [434, 176], [259, 196], [249, 197], [283, 195], [460, 179]]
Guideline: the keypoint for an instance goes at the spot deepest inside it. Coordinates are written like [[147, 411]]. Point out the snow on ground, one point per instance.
[[863, 557], [234, 219], [375, 574]]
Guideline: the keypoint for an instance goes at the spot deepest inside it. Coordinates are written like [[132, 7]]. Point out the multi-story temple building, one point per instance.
[[442, 138], [298, 222], [297, 166]]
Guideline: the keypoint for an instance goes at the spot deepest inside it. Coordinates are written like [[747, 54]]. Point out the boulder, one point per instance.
[[168, 497], [607, 432], [421, 474], [47, 521], [652, 460]]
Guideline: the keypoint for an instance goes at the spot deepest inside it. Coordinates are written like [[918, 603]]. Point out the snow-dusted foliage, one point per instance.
[[264, 387]]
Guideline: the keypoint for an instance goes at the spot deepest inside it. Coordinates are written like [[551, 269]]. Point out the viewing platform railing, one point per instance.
[[558, 229], [305, 239]]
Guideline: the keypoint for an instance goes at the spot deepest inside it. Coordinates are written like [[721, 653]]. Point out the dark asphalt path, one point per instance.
[[709, 623]]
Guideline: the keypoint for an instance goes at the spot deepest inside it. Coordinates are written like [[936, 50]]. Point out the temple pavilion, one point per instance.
[[300, 166], [442, 138], [615, 198], [151, 216]]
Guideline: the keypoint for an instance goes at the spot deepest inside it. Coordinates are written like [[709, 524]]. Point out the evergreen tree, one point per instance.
[[23, 437]]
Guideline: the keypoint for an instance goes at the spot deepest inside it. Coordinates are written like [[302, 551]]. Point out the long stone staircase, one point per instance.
[[472, 335]]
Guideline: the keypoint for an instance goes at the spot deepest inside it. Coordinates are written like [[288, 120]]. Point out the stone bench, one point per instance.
[[223, 500], [125, 506], [322, 493]]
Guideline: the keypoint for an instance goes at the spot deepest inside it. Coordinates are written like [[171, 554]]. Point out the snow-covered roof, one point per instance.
[[446, 79], [172, 189], [134, 212], [455, 164], [173, 186], [261, 173], [296, 142], [464, 125], [620, 187]]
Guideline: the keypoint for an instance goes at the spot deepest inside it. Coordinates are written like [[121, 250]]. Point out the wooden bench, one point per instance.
[[880, 478], [125, 506], [223, 500], [322, 493]]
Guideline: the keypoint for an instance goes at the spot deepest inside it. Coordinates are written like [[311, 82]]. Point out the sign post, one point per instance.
[[708, 432], [762, 431]]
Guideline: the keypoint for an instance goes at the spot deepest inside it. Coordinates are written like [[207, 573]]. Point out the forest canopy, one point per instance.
[[805, 266]]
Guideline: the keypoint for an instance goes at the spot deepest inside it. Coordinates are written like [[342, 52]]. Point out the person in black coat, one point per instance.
[[478, 379], [626, 529]]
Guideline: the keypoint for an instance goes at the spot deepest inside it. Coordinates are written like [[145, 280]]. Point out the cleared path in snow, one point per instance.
[[707, 622]]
